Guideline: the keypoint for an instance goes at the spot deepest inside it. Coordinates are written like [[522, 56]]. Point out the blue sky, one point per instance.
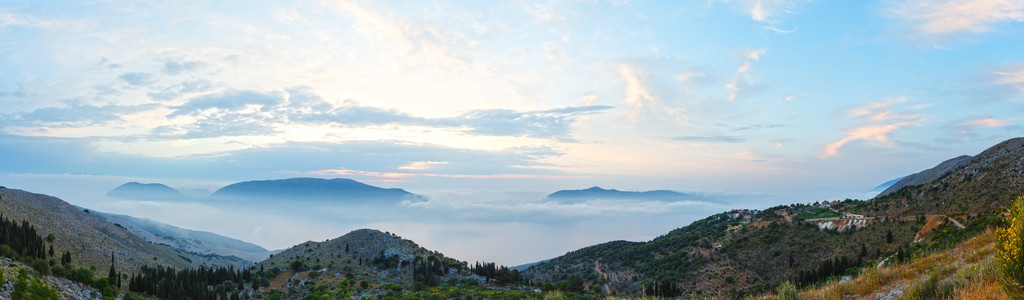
[[807, 99]]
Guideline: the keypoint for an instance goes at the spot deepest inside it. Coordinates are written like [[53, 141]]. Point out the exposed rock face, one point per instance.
[[928, 175]]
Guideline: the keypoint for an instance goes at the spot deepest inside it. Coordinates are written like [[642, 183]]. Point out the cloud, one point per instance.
[[186, 87], [422, 165], [553, 123], [1011, 75], [690, 80], [953, 17], [177, 67], [639, 100], [966, 129], [711, 139], [21, 20], [72, 115], [741, 80], [756, 127], [420, 43], [879, 119], [138, 78], [230, 100], [769, 11]]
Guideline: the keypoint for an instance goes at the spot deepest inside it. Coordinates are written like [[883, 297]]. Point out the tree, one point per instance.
[[888, 236], [1010, 249]]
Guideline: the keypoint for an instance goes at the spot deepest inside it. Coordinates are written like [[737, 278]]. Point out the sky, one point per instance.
[[485, 107]]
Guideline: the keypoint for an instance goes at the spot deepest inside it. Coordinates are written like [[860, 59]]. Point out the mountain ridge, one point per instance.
[[201, 242], [312, 189], [145, 191]]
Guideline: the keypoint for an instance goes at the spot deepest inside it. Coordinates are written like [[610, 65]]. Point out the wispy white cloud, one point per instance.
[[22, 20], [880, 119], [946, 18], [770, 12], [640, 101], [422, 43], [736, 84], [1011, 75], [966, 128], [422, 165], [689, 80]]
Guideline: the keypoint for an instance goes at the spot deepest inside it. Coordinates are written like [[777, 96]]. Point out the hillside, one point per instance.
[[597, 193], [312, 189], [985, 182], [193, 241], [91, 240], [367, 251], [928, 175], [145, 191], [744, 252]]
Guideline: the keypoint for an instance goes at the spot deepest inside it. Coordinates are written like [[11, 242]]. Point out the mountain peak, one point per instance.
[[145, 191], [598, 193], [311, 189]]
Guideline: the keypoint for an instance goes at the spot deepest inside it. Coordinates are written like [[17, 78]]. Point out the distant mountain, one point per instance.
[[312, 189], [885, 185], [145, 191], [90, 239], [523, 267], [597, 193], [927, 175], [187, 240]]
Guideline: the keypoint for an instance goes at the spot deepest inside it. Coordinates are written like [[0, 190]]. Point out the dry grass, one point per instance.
[[965, 272]]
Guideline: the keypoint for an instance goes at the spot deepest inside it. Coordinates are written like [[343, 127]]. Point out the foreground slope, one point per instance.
[[92, 239], [743, 252], [193, 241]]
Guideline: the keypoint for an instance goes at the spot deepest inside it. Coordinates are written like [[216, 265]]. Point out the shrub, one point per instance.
[[787, 291], [1010, 249]]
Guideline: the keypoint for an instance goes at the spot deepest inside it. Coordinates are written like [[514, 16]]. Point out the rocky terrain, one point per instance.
[[66, 289], [93, 239], [927, 175], [192, 241]]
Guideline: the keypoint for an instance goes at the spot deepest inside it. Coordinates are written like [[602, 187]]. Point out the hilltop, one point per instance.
[[312, 189], [145, 191], [597, 193]]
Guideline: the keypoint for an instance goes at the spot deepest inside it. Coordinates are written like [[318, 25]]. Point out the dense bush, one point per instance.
[[1010, 249]]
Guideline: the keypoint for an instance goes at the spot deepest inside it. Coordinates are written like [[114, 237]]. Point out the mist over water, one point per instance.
[[508, 227]]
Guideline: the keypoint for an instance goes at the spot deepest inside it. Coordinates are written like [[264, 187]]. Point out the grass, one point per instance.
[[817, 213], [967, 271]]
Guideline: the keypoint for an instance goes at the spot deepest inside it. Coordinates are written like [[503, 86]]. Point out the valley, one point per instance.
[[856, 248]]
